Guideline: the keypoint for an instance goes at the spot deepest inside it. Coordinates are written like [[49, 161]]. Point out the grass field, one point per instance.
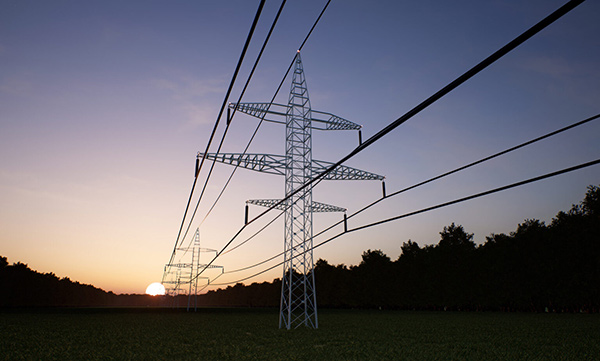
[[226, 334]]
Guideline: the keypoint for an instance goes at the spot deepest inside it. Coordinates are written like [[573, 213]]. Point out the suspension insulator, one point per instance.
[[383, 188], [359, 137], [345, 222], [228, 115], [197, 166], [246, 215]]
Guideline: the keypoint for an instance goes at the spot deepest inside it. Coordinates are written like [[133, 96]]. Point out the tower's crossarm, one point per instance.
[[323, 207], [342, 172], [189, 265], [266, 163], [328, 121], [275, 164], [279, 205], [273, 112]]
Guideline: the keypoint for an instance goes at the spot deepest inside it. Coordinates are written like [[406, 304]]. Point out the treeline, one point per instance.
[[21, 286], [537, 268]]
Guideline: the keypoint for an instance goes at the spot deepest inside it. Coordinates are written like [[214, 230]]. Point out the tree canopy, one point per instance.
[[537, 267]]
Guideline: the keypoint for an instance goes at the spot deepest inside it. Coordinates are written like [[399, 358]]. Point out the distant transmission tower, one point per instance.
[[180, 274], [298, 304]]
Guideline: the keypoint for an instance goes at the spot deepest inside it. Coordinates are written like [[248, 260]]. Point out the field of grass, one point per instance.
[[226, 334]]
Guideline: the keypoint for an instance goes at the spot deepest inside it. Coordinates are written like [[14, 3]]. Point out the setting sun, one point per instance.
[[155, 289]]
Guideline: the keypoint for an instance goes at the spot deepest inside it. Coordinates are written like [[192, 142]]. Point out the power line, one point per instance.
[[495, 190], [256, 234], [423, 105], [261, 120], [442, 92], [267, 109], [258, 126], [467, 166], [438, 206], [314, 25], [239, 64], [393, 194], [229, 119]]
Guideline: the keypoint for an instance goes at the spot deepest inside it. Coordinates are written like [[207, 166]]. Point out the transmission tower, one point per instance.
[[298, 305], [177, 275]]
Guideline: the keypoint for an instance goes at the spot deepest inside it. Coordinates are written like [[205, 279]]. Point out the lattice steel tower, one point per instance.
[[177, 275], [298, 304]]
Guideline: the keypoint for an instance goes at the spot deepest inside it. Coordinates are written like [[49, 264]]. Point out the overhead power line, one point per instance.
[[393, 194], [443, 175], [512, 149], [231, 83], [262, 119], [229, 118], [257, 232], [260, 122], [495, 190], [442, 92], [428, 209], [423, 105]]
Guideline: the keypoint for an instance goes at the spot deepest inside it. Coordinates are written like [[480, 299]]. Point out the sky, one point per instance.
[[105, 104]]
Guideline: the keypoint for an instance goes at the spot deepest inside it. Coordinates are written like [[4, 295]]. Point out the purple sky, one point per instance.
[[104, 104]]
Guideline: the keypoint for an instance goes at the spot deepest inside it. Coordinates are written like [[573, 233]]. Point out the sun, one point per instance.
[[155, 289]]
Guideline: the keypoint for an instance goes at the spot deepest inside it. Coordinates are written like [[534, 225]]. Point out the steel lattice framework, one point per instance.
[[276, 203], [276, 164], [298, 297], [177, 275], [271, 111]]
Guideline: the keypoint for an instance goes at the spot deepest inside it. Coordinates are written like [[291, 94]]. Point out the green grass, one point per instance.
[[221, 334]]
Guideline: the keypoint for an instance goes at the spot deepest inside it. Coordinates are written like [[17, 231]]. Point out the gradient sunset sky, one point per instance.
[[104, 104]]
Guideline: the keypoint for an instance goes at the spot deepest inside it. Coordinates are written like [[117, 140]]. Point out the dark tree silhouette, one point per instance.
[[537, 267], [334, 285], [373, 278], [455, 237]]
